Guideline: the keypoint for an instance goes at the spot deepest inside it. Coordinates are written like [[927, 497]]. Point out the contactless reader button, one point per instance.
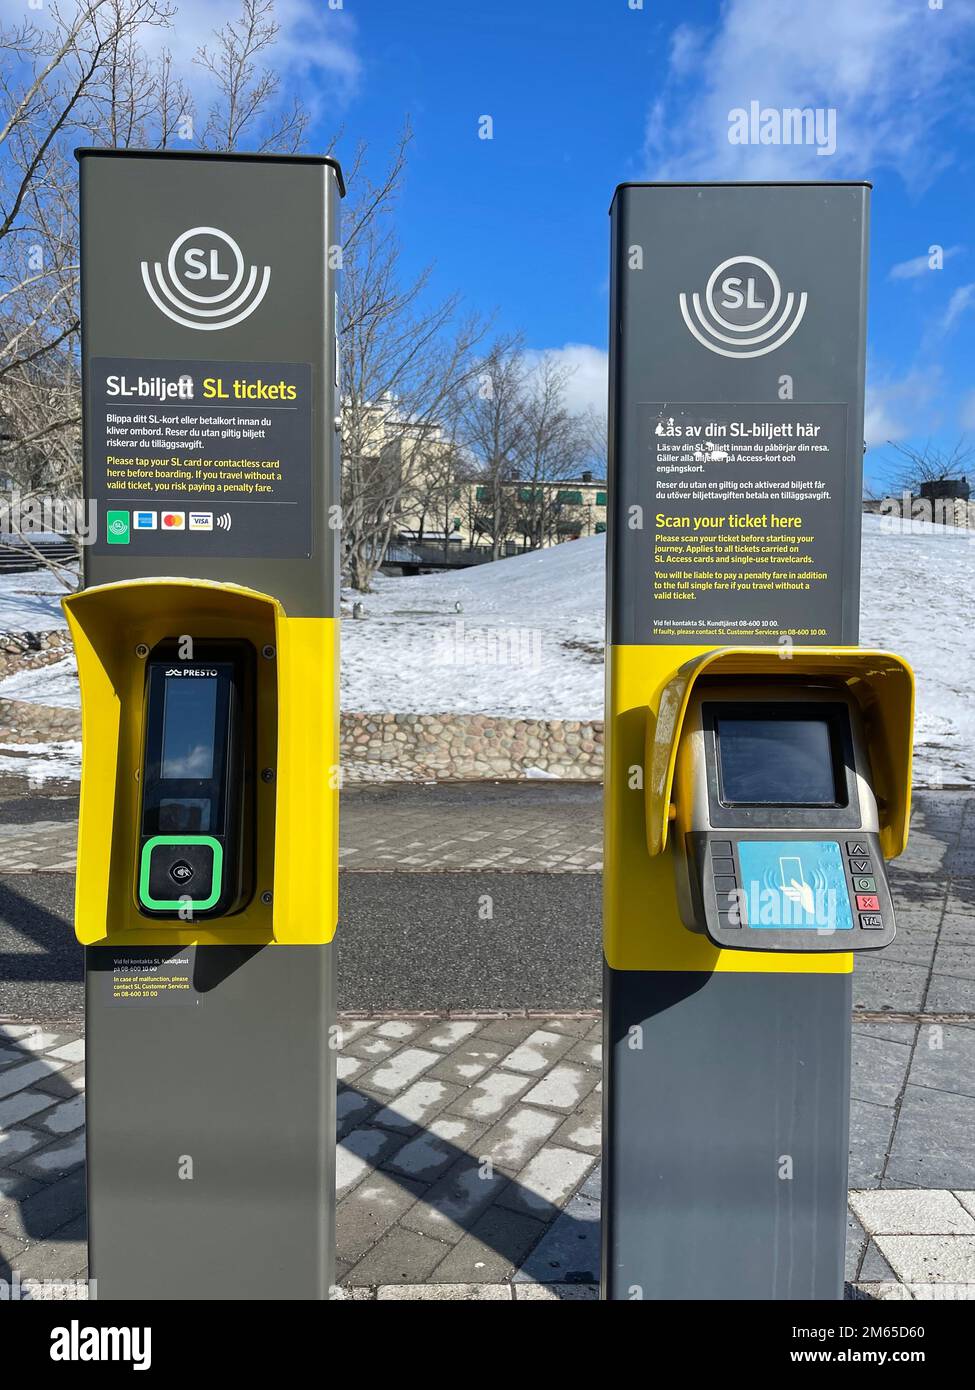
[[865, 883], [868, 902], [871, 919], [860, 866], [857, 847], [178, 870]]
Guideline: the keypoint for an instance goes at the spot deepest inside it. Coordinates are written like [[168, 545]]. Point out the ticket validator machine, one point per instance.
[[758, 760], [206, 638]]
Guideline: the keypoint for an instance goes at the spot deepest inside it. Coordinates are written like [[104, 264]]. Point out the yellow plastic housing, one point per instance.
[[648, 689], [297, 736], [882, 684]]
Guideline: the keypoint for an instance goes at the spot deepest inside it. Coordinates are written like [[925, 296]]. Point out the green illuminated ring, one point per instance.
[[174, 904]]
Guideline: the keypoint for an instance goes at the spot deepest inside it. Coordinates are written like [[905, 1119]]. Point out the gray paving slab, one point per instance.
[[944, 1059], [547, 1181], [950, 994], [455, 1202], [933, 1145], [45, 1210], [372, 1209], [469, 1061], [429, 1154], [856, 1245], [492, 1250], [878, 1069], [875, 1269], [514, 1140], [569, 1250], [401, 1256], [583, 1128], [888, 986], [871, 1128], [956, 958]]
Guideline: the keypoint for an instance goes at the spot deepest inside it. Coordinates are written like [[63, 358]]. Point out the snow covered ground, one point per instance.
[[524, 637], [56, 685], [42, 762], [31, 602], [529, 639]]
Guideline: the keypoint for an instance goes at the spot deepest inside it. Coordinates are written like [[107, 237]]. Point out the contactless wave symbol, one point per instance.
[[196, 256], [749, 302], [224, 521]]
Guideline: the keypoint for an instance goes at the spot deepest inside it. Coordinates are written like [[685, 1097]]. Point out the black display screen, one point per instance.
[[189, 727], [778, 761]]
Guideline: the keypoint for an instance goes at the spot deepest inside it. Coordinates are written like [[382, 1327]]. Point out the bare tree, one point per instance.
[[246, 104], [554, 447], [88, 75], [82, 70], [438, 491], [494, 430], [404, 361], [930, 464]]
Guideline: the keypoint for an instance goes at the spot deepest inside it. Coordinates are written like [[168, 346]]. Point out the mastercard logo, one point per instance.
[[174, 521]]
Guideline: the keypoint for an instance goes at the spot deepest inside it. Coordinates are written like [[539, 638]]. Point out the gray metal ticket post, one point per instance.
[[206, 636], [757, 759]]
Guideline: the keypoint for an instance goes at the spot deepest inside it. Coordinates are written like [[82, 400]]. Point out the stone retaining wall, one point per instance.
[[23, 651], [451, 747], [21, 722], [374, 747]]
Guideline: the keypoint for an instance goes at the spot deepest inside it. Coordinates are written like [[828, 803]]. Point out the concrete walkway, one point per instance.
[[468, 1164], [469, 1144]]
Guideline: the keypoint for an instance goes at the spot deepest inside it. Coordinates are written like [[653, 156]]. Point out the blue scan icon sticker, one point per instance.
[[790, 883]]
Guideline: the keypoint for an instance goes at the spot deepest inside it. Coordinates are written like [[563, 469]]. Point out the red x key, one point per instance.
[[867, 902]]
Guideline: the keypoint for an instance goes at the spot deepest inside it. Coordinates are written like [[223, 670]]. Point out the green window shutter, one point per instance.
[[600, 499]]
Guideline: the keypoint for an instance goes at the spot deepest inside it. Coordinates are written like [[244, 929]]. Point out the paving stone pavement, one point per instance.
[[469, 1147], [545, 827], [468, 1160]]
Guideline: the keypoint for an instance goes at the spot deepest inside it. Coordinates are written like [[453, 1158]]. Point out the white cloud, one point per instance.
[[314, 54], [587, 384], [967, 412], [920, 265], [961, 300], [890, 70], [899, 407]]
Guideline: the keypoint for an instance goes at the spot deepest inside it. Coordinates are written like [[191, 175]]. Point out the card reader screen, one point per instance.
[[189, 727], [777, 761]]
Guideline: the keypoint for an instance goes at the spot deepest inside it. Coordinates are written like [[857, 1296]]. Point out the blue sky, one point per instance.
[[584, 94]]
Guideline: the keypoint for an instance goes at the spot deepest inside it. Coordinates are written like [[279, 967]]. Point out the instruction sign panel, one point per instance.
[[201, 458], [747, 521], [153, 976]]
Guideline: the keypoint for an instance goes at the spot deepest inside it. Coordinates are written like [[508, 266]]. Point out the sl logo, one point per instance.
[[208, 259], [748, 298]]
